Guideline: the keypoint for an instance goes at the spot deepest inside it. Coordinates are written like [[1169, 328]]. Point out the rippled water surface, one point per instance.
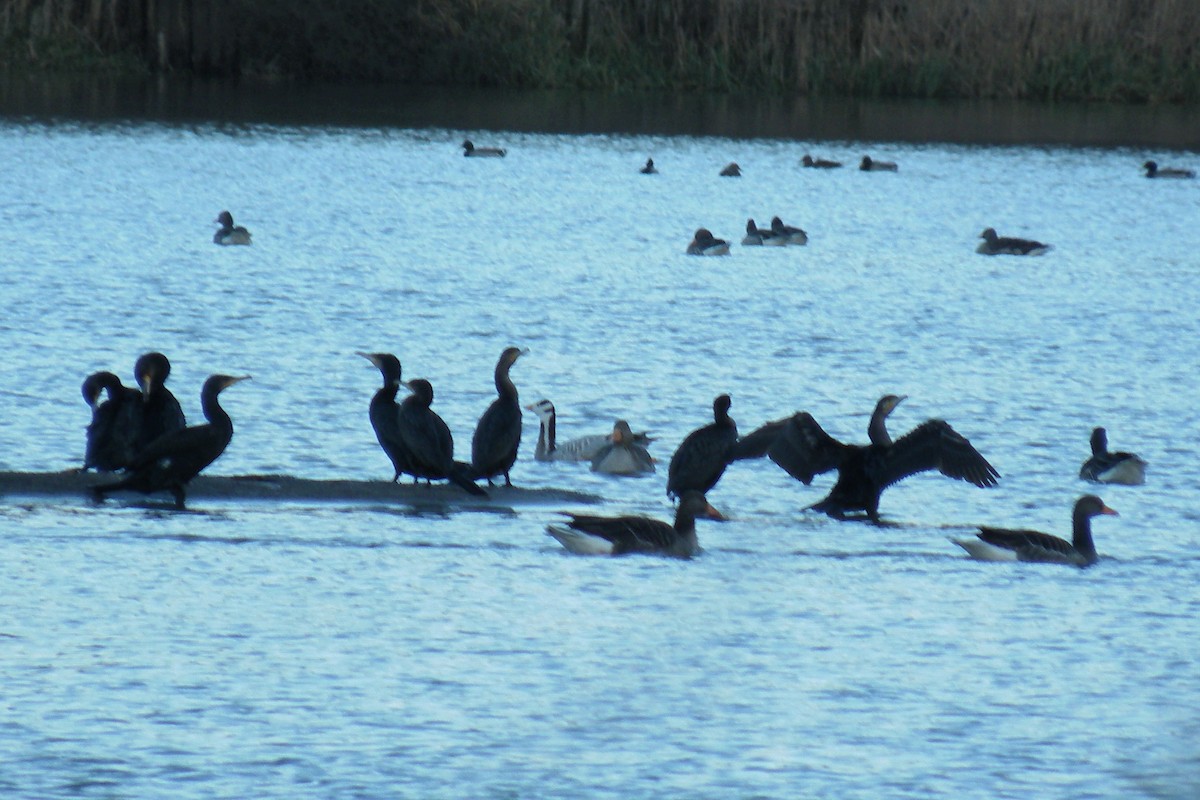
[[350, 650]]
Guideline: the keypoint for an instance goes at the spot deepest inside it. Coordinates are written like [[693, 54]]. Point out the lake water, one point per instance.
[[373, 651]]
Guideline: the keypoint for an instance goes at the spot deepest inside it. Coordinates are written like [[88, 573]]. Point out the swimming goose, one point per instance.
[[590, 535], [1153, 171], [583, 448], [623, 453], [819, 163], [1001, 544], [230, 233], [705, 244], [993, 245], [732, 170], [470, 150], [649, 168], [788, 233], [869, 165], [1109, 467]]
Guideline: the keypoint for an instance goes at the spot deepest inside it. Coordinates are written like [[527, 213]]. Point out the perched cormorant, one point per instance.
[[787, 233], [427, 440], [175, 458], [705, 244], [870, 165], [1153, 171], [1108, 467], [819, 163], [804, 450], [756, 235], [113, 435], [731, 170], [588, 535], [623, 454], [649, 168], [384, 413], [470, 150], [993, 245], [161, 413], [1001, 544], [498, 434], [230, 233], [700, 460]]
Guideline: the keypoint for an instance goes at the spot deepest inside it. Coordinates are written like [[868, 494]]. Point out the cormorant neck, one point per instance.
[[504, 385], [213, 411], [877, 429]]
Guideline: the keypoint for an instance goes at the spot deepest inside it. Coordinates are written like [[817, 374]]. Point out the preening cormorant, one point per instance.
[[113, 434], [384, 413], [701, 458], [175, 458], [804, 449], [1002, 544], [589, 535], [427, 440], [161, 413], [1109, 467], [498, 433]]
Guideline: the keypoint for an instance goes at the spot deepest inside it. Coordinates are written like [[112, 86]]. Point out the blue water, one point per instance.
[[369, 651]]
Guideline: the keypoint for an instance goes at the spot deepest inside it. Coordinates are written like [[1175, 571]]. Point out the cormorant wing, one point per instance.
[[933, 445], [182, 451], [1034, 545], [804, 449], [757, 443]]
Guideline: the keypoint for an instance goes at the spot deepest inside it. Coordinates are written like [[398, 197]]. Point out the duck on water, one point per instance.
[[1003, 544], [592, 535]]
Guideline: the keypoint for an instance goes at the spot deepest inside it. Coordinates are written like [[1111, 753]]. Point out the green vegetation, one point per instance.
[[1116, 50]]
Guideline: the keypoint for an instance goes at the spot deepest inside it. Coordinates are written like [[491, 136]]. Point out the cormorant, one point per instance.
[[1109, 467], [498, 433], [427, 440], [1001, 544], [588, 535], [649, 168], [705, 244], [161, 413], [470, 150], [700, 460], [230, 233], [1153, 171], [804, 449], [870, 165], [113, 435], [175, 458], [384, 413], [993, 245], [623, 454]]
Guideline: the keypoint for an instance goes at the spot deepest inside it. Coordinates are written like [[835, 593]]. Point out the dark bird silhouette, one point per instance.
[[589, 535], [705, 244], [1112, 467], [427, 440], [173, 459], [161, 413], [869, 164], [1002, 544], [384, 413], [804, 450], [993, 245], [1154, 171], [229, 233], [701, 458], [113, 434], [471, 151], [819, 163], [649, 168], [498, 433], [731, 170]]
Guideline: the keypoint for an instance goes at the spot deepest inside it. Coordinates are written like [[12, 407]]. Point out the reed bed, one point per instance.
[[1122, 50]]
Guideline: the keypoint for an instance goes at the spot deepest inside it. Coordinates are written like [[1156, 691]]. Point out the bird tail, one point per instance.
[[460, 475]]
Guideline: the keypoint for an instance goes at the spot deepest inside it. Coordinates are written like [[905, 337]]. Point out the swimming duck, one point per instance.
[[732, 170], [819, 163], [649, 168], [590, 535], [994, 245], [1107, 467], [623, 454], [787, 233], [761, 236], [1153, 171], [1001, 544], [230, 233], [470, 150], [705, 244], [869, 165]]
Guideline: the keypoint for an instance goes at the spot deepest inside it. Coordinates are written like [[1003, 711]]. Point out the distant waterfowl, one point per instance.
[[384, 413], [172, 460], [582, 448], [161, 413], [787, 233], [993, 245], [228, 232], [591, 535], [761, 236], [705, 244], [115, 429], [623, 453], [428, 442], [701, 458], [1001, 544], [1109, 467], [498, 433], [471, 151], [819, 163], [731, 170], [805, 450], [1154, 171], [870, 165], [649, 168]]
